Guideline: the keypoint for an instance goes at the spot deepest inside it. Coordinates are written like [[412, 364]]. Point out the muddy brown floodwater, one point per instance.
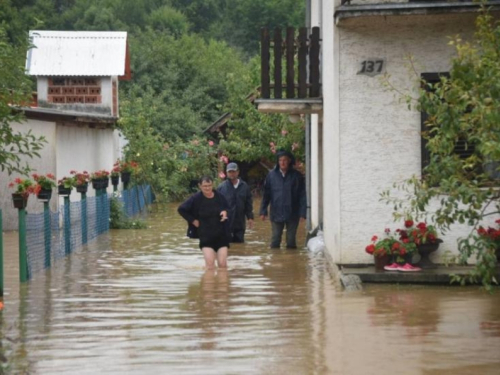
[[140, 302]]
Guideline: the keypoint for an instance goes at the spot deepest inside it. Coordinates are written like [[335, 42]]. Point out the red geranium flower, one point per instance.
[[370, 249], [408, 223]]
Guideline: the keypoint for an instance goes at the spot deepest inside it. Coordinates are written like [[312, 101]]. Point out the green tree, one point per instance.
[[242, 20], [183, 79], [253, 135], [15, 91], [464, 107]]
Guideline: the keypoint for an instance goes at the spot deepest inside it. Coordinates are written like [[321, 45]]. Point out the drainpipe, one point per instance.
[[308, 134], [308, 170]]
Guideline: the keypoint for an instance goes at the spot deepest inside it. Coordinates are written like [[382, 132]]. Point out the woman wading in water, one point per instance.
[[206, 214]]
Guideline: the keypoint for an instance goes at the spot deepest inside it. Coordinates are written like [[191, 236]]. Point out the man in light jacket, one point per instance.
[[285, 192], [239, 197]]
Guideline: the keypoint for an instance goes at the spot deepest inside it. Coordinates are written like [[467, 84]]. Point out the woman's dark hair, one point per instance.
[[205, 178]]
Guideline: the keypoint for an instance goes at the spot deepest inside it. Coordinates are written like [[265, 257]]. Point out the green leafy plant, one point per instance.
[[463, 107], [46, 182], [99, 175], [68, 182], [127, 166], [81, 178], [490, 235], [119, 220], [15, 92], [23, 186], [414, 235], [390, 245]]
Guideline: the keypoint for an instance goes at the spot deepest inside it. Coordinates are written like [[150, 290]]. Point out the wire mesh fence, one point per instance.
[[53, 235], [135, 200]]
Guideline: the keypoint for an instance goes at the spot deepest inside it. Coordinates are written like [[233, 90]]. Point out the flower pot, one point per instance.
[[44, 195], [100, 183], [381, 262], [126, 177], [115, 180], [82, 188], [61, 190], [19, 200], [424, 251]]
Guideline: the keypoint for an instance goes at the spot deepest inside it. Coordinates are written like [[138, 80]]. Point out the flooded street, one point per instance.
[[140, 302]]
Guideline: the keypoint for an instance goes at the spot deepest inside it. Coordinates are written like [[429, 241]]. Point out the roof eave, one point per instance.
[[398, 9]]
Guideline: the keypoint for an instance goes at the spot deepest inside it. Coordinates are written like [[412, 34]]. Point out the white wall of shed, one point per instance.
[[67, 148], [45, 164]]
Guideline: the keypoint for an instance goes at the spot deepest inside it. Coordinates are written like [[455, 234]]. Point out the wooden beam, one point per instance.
[[264, 63], [302, 62], [290, 68], [278, 54], [291, 108]]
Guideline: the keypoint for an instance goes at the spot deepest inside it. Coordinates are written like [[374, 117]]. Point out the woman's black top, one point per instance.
[[192, 209], [209, 216]]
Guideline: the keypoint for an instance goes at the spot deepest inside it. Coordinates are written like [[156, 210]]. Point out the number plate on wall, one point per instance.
[[372, 67]]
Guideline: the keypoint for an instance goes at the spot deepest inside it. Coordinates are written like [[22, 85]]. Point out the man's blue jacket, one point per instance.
[[286, 195]]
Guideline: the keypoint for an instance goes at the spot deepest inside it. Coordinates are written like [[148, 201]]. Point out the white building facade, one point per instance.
[[76, 108], [365, 139]]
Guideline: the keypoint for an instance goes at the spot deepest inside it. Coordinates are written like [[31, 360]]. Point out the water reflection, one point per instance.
[[416, 312], [141, 302], [208, 299]]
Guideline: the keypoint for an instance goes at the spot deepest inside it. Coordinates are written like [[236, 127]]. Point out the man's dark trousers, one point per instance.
[[291, 232]]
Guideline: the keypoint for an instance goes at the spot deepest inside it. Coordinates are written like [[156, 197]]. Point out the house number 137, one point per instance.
[[372, 67]]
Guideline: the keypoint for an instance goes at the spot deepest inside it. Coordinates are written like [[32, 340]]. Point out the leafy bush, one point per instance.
[[119, 220]]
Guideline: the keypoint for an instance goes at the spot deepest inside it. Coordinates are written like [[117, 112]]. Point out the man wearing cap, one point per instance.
[[284, 190], [239, 197]]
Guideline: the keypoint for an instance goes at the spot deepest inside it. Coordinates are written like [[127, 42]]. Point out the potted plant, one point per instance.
[[44, 185], [115, 173], [65, 185], [126, 169], [391, 254], [82, 181], [23, 188], [381, 249], [423, 238], [490, 238], [100, 179]]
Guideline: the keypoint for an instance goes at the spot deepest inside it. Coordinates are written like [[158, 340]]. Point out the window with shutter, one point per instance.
[[462, 148]]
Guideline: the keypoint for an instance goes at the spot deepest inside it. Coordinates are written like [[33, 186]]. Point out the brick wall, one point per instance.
[[71, 90]]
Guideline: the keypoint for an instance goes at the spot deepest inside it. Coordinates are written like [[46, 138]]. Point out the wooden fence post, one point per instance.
[[264, 63]]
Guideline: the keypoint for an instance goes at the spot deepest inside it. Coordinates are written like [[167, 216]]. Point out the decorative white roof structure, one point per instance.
[[77, 53]]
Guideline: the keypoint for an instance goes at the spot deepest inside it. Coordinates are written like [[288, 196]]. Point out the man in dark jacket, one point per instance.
[[239, 198], [285, 191]]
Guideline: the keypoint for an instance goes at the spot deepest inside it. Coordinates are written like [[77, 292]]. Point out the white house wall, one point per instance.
[[45, 164], [330, 132], [316, 149], [67, 148], [85, 149], [379, 137]]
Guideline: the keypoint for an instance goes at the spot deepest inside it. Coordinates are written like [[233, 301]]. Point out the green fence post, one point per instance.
[[23, 258], [136, 189], [97, 210], [98, 194], [84, 218], [47, 232], [1, 254], [67, 226]]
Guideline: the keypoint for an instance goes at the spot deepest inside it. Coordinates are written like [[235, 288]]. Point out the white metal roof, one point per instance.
[[77, 53]]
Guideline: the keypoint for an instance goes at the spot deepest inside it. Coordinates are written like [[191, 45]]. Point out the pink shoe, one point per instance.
[[409, 268], [391, 267]]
